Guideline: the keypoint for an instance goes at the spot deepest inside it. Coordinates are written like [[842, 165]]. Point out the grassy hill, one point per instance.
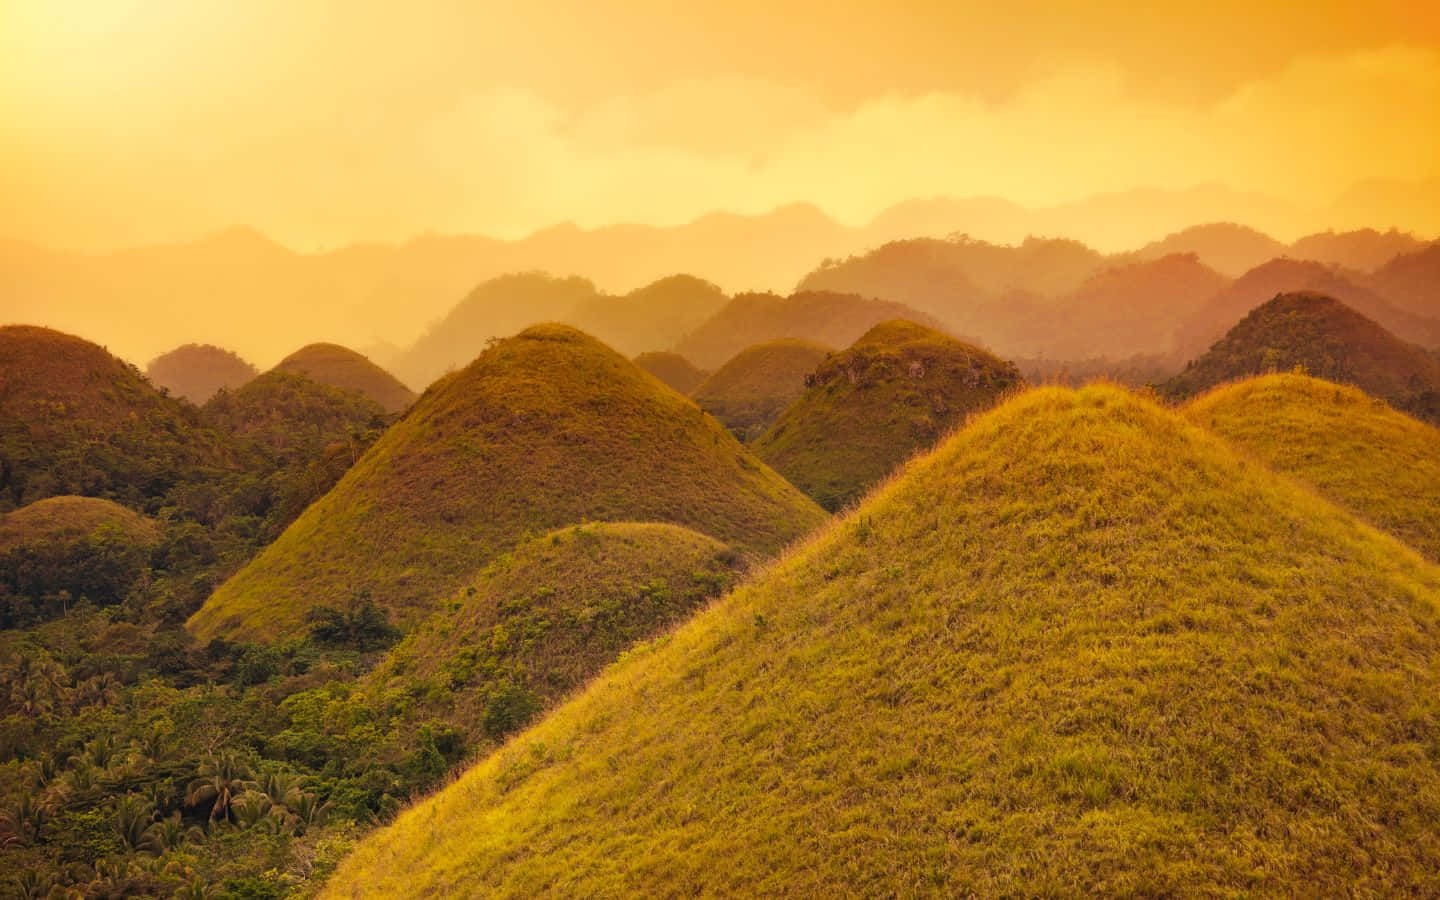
[[197, 371], [749, 391], [75, 420], [1412, 281], [1329, 340], [1082, 649], [540, 621], [1352, 448], [675, 370], [834, 320], [546, 429], [347, 370], [649, 318], [870, 407]]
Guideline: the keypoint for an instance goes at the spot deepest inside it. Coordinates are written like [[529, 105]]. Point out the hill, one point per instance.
[[753, 388], [649, 318], [542, 620], [827, 318], [1223, 246], [1364, 250], [675, 370], [347, 370], [1412, 281], [1361, 454], [57, 551], [867, 409], [545, 429], [76, 420], [197, 371], [897, 708], [1329, 340]]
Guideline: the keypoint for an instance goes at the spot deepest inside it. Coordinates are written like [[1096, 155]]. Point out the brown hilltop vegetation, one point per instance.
[[545, 429], [197, 371], [673, 369], [751, 389], [343, 368]]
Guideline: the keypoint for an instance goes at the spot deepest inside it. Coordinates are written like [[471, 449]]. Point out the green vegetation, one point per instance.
[[1083, 648], [753, 388], [675, 370], [343, 368], [867, 409], [1328, 340], [545, 429], [1352, 448], [197, 371]]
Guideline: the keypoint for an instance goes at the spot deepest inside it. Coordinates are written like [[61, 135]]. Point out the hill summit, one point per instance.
[[347, 370], [197, 371], [544, 429], [1081, 649], [893, 392], [754, 387]]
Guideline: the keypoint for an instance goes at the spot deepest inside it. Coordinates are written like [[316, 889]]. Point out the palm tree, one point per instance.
[[135, 825], [21, 821], [220, 781], [309, 813]]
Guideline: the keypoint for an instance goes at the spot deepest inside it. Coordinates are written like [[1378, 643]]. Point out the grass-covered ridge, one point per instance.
[[673, 369], [546, 429], [1082, 648], [343, 368], [890, 394], [1354, 449], [758, 383]]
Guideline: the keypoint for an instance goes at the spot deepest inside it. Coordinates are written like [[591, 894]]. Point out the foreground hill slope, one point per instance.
[[1080, 649], [754, 387], [545, 429], [1353, 449], [1329, 340], [868, 408], [197, 371], [347, 370]]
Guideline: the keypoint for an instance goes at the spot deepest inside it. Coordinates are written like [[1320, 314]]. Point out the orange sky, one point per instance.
[[322, 122]]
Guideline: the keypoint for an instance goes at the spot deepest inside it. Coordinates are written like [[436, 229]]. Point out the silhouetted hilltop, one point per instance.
[[347, 370], [1365, 249], [1412, 281], [545, 429], [650, 318], [673, 369], [1223, 246], [197, 371], [754, 387]]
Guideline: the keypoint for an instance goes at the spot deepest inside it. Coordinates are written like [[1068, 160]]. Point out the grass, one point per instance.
[[676, 371], [871, 407], [70, 519], [1355, 450], [283, 410], [540, 621], [754, 387], [1083, 648], [197, 371], [343, 368], [546, 429]]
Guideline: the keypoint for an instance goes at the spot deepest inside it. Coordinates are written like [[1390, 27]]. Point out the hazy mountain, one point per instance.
[[197, 371]]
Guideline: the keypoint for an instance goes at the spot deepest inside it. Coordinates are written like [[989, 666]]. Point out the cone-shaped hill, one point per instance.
[[893, 392], [76, 420], [1354, 450], [540, 621], [197, 371], [545, 429], [753, 388], [282, 411], [343, 368], [1083, 648], [1329, 340], [673, 369]]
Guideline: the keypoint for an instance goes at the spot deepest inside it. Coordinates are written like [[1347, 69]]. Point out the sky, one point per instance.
[[325, 122]]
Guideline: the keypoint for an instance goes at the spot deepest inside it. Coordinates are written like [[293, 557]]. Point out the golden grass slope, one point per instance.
[[71, 519], [1354, 449], [545, 429], [347, 370], [1081, 649]]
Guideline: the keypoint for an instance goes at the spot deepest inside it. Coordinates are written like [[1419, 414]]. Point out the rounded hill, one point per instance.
[[347, 370], [546, 429], [1352, 448], [197, 371], [1081, 649], [868, 408], [754, 387], [673, 369]]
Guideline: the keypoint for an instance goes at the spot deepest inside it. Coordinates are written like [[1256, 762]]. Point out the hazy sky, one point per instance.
[[322, 122]]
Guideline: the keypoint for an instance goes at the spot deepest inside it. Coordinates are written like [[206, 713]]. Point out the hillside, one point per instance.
[[867, 409], [1365, 249], [896, 708], [676, 371], [347, 370], [649, 318], [1329, 340], [76, 420], [834, 320], [543, 619], [754, 387], [1359, 453], [1223, 246], [197, 371], [1412, 281], [545, 429]]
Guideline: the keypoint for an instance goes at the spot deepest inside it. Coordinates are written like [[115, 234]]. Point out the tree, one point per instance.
[[219, 783]]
